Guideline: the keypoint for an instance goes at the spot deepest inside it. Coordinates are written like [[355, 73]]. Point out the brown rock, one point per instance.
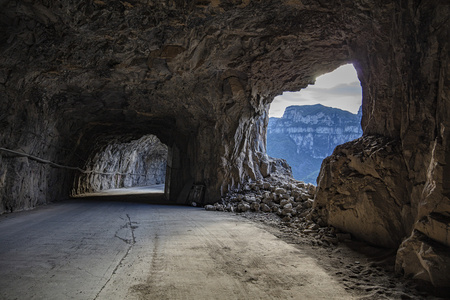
[[425, 260], [353, 194], [265, 208], [201, 78]]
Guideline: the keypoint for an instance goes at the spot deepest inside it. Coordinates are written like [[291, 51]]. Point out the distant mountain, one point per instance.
[[306, 134]]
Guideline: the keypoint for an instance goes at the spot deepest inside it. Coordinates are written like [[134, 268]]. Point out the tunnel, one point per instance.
[[200, 76], [123, 164]]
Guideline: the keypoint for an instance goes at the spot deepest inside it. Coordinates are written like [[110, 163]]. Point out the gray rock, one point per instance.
[[255, 206], [219, 207], [210, 207], [250, 198], [284, 202], [286, 211], [287, 206], [265, 208], [243, 207], [280, 191]]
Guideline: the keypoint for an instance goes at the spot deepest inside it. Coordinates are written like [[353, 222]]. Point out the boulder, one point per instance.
[[243, 207], [357, 196], [280, 191], [210, 207], [265, 208]]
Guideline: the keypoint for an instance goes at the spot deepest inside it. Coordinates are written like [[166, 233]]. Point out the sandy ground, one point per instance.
[[104, 248], [365, 271]]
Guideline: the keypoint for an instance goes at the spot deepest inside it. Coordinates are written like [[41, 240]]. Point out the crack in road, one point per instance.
[[132, 229], [127, 241]]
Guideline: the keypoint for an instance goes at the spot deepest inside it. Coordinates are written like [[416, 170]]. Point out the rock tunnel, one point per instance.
[[135, 163], [200, 75]]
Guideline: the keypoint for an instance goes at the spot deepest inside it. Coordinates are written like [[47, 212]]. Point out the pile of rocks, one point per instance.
[[290, 200]]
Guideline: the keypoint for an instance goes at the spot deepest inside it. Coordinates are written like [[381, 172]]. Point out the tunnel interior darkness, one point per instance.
[[122, 152]]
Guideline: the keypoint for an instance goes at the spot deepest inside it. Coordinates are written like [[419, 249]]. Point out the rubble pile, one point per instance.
[[284, 202]]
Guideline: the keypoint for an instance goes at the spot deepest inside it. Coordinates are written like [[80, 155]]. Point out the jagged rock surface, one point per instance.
[[139, 162], [288, 198], [76, 75], [306, 134], [425, 260], [356, 191]]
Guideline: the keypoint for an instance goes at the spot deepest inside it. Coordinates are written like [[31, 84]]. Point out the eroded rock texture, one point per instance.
[[76, 75], [393, 183], [361, 191], [139, 162]]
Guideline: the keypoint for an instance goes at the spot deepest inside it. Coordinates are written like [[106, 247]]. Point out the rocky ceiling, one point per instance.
[[76, 75]]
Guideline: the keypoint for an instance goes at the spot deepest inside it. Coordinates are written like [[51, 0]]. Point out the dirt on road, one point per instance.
[[92, 249], [366, 271], [115, 250]]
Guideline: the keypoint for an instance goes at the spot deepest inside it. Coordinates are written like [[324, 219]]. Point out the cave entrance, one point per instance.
[[305, 126], [125, 168]]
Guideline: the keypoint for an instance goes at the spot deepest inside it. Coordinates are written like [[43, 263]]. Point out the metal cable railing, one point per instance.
[[56, 165]]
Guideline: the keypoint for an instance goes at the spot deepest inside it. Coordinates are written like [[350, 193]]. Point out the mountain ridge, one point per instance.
[[306, 134]]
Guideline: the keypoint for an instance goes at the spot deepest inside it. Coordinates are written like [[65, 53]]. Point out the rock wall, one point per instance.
[[139, 162], [390, 187], [77, 75]]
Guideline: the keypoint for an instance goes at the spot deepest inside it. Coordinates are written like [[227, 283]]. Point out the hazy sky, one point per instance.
[[340, 88]]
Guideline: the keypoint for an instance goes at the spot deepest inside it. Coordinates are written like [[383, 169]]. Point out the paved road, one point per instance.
[[91, 249], [139, 190]]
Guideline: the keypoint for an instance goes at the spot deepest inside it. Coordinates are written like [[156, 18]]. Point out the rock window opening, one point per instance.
[[305, 126], [133, 167]]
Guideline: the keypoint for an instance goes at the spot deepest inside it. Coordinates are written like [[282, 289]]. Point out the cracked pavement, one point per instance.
[[92, 249]]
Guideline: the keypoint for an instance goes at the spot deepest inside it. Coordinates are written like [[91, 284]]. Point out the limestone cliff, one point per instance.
[[306, 134]]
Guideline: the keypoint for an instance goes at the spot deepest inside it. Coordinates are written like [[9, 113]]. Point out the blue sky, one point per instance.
[[340, 89]]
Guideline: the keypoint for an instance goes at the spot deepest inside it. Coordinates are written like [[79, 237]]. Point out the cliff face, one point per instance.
[[77, 75], [305, 135]]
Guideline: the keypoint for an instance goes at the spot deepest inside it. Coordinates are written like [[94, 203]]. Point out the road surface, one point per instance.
[[137, 190], [98, 249]]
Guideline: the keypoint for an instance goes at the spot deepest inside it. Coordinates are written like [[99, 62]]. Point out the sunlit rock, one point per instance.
[[139, 162]]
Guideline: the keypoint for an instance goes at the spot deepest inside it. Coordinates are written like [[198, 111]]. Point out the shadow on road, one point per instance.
[[137, 198], [150, 195]]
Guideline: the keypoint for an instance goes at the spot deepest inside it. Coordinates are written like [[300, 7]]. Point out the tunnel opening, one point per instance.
[[305, 126], [124, 167]]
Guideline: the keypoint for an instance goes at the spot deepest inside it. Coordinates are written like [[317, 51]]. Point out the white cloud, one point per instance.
[[340, 89]]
